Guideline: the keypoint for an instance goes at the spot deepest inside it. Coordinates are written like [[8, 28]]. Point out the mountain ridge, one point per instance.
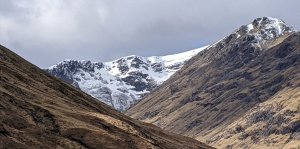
[[209, 97]]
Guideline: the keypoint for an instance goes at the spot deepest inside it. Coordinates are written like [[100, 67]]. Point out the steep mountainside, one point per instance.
[[122, 82], [39, 111], [242, 92]]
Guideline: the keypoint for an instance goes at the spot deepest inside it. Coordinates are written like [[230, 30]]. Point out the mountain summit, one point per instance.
[[266, 28], [122, 82], [241, 92]]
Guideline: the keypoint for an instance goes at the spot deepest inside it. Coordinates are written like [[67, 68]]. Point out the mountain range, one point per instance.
[[122, 82], [241, 92]]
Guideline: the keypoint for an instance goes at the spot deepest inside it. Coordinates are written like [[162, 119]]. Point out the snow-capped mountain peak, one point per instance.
[[257, 34], [271, 25], [122, 82], [267, 28]]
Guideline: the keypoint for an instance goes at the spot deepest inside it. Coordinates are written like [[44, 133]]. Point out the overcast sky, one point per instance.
[[48, 31]]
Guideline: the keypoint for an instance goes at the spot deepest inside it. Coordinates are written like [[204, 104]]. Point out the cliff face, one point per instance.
[[40, 111], [242, 92]]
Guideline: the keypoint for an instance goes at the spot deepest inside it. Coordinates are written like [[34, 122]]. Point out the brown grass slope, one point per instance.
[[40, 111], [233, 95]]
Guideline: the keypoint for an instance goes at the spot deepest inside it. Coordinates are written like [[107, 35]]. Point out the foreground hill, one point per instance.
[[39, 111], [122, 82], [242, 92]]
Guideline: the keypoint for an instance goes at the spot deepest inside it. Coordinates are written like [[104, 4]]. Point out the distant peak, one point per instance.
[[69, 63], [267, 20], [268, 27], [132, 57], [258, 32]]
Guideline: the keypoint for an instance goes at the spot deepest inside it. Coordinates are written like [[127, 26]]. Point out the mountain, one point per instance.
[[241, 92], [40, 111], [124, 81]]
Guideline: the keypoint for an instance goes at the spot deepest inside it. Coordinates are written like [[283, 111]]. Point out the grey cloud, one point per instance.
[[46, 32]]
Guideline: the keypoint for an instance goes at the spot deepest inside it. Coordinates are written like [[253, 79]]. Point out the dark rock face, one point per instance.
[[122, 66], [138, 63], [66, 70], [140, 81], [289, 62], [157, 67], [284, 50]]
